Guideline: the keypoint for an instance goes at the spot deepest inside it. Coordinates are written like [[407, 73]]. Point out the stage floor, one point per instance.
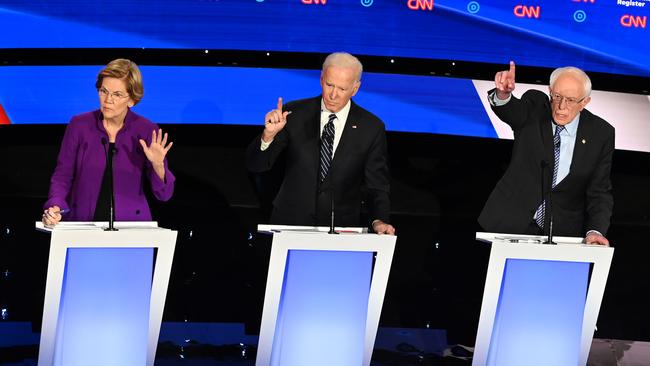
[[226, 344]]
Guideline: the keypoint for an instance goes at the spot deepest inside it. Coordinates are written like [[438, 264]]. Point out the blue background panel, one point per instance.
[[551, 33], [231, 95]]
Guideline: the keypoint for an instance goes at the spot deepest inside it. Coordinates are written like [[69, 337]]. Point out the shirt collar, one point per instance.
[[572, 127], [341, 115], [130, 116]]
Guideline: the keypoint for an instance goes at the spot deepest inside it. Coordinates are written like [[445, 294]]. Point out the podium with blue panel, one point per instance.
[[105, 293], [540, 302], [324, 295]]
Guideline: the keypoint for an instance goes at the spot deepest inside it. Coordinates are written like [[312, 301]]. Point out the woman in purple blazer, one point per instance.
[[79, 185]]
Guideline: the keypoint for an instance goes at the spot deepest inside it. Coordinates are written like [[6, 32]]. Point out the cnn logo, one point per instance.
[[523, 11], [420, 4], [635, 21]]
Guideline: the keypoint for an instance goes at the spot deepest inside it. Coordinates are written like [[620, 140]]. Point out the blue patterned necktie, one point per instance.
[[326, 147], [539, 214]]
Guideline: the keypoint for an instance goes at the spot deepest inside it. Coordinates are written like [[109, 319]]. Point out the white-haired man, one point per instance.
[[334, 149], [561, 144]]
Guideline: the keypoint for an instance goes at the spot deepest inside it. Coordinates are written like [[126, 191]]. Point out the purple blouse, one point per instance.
[[80, 167]]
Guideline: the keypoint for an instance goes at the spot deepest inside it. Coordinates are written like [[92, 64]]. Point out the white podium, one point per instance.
[[540, 302], [105, 293], [324, 295]]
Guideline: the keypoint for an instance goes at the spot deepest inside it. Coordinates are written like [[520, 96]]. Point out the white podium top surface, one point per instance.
[[309, 229], [527, 239], [98, 225]]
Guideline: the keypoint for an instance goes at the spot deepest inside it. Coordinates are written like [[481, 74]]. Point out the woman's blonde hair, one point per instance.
[[125, 70]]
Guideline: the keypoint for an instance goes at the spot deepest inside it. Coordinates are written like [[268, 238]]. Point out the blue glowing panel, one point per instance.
[[323, 309], [104, 312], [539, 314], [606, 36], [232, 95]]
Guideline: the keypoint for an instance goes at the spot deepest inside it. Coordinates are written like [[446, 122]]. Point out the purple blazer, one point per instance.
[[77, 178]]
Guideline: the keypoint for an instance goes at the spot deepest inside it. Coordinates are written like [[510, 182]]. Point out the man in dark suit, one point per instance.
[[558, 142], [334, 149]]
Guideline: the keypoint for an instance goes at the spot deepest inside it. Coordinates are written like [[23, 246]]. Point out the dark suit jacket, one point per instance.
[[360, 161], [582, 201]]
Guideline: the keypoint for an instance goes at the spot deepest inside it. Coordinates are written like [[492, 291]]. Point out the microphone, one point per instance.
[[548, 211], [110, 151]]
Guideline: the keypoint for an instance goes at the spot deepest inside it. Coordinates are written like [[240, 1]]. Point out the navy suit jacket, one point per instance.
[[359, 165], [582, 201]]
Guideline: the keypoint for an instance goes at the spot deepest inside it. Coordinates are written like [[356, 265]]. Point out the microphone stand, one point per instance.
[[549, 240], [331, 176], [332, 231], [109, 166], [549, 206]]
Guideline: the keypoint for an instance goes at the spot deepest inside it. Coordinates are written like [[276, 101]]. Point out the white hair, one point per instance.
[[346, 60], [586, 82]]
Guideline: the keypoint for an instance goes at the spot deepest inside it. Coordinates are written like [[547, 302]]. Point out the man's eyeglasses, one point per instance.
[[569, 102], [115, 95]]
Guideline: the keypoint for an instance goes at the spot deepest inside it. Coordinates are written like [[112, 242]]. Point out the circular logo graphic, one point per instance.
[[367, 3], [473, 7], [579, 16]]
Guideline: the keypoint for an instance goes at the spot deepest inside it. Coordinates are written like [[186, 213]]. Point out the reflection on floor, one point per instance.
[[226, 344]]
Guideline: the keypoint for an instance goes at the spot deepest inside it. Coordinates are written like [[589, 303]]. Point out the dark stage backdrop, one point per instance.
[[439, 184]]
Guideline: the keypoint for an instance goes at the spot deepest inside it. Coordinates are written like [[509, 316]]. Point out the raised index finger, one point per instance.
[[512, 68], [280, 104]]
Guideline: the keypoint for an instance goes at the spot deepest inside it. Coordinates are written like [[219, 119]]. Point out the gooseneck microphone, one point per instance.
[[110, 151], [548, 210]]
